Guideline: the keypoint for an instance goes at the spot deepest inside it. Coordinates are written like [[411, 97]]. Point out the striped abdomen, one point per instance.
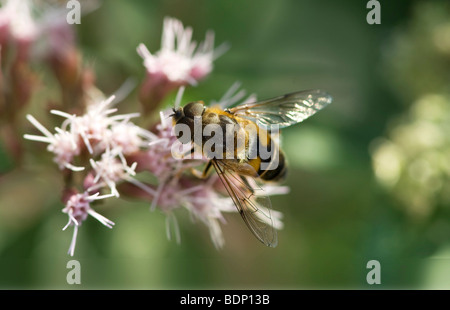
[[277, 172]]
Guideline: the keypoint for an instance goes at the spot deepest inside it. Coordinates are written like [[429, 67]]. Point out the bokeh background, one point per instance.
[[369, 175]]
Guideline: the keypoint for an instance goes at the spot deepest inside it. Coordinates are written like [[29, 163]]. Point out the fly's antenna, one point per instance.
[[173, 114], [178, 98]]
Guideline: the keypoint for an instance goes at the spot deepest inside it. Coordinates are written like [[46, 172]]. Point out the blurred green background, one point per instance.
[[341, 211]]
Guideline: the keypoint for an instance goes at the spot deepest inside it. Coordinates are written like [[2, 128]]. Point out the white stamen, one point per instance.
[[37, 138], [156, 196], [178, 97], [143, 51], [74, 241], [171, 219], [86, 142], [125, 117], [108, 223], [72, 167], [163, 140], [142, 186], [163, 120], [39, 126], [62, 114], [124, 90]]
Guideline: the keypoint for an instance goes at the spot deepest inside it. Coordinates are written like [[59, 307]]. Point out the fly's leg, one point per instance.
[[202, 174]]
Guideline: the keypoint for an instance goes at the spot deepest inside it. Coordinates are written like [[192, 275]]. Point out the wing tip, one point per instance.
[[324, 96], [272, 244]]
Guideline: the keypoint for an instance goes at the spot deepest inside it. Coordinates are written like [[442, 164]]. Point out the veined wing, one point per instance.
[[285, 110], [254, 210]]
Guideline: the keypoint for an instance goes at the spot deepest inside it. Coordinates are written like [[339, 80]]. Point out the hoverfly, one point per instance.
[[282, 111]]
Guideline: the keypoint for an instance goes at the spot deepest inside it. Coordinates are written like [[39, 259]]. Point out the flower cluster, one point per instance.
[[101, 153], [412, 161], [96, 144], [36, 38], [95, 132], [78, 208], [416, 62]]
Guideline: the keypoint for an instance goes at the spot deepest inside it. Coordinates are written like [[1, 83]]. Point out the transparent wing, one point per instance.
[[285, 110], [254, 210]]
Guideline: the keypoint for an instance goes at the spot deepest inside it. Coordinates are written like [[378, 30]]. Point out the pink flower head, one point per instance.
[[157, 158], [111, 168], [78, 208], [57, 34], [63, 144], [4, 25], [95, 131], [18, 25], [180, 61]]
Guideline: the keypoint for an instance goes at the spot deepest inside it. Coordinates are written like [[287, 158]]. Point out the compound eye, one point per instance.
[[177, 114]]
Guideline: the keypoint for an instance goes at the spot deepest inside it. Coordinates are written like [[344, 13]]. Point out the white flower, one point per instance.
[[100, 130], [129, 137], [57, 36], [78, 209], [97, 130], [110, 169], [206, 204], [63, 144], [159, 156], [180, 59], [93, 126], [113, 168], [199, 198], [44, 24], [17, 15]]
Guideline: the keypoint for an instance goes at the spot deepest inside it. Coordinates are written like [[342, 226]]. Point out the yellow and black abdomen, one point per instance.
[[277, 172], [269, 162]]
